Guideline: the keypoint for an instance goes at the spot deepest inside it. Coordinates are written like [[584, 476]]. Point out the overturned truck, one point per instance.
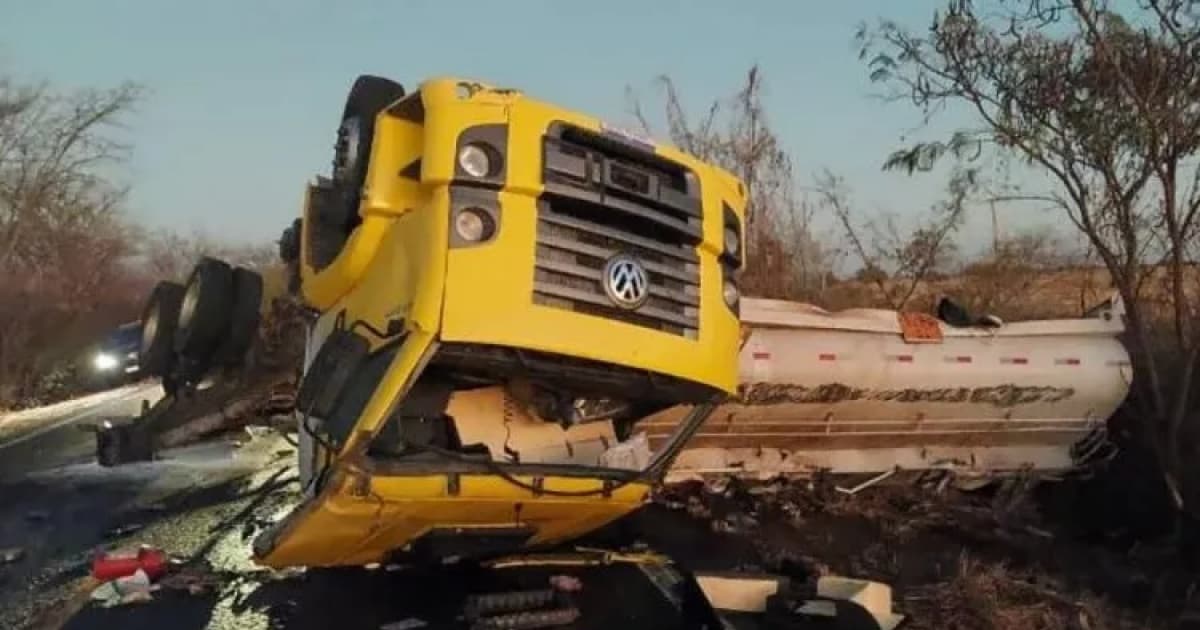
[[488, 274], [521, 319]]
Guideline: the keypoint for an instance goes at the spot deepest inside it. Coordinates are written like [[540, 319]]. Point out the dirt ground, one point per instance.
[[1081, 553]]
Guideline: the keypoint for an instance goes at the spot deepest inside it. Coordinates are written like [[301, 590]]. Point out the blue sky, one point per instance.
[[243, 97]]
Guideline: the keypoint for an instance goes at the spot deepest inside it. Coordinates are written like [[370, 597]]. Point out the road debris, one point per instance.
[[734, 523], [195, 581], [288, 573], [973, 484], [406, 624], [873, 597], [112, 565], [10, 555], [739, 592], [256, 432], [566, 583], [121, 531], [866, 484], [37, 516], [129, 589], [718, 485]]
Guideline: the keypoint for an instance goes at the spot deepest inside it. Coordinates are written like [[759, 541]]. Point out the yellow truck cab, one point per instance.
[[501, 289]]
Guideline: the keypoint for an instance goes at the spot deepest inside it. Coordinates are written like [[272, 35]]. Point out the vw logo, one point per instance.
[[626, 282]]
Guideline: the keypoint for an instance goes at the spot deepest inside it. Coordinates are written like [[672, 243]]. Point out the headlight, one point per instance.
[[476, 160], [732, 242], [474, 225], [730, 293], [104, 361]]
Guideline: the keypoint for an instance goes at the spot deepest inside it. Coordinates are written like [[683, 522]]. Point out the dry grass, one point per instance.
[[1016, 294], [988, 596]]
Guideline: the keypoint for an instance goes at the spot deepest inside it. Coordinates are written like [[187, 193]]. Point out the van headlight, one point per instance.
[[104, 362]]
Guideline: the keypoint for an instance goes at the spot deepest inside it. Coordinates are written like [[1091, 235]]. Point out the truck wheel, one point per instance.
[[160, 318], [293, 279], [368, 96], [289, 243], [244, 316], [205, 312]]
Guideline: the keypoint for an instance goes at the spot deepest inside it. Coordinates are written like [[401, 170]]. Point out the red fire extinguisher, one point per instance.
[[110, 565]]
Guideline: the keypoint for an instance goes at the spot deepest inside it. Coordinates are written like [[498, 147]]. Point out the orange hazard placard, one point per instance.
[[920, 328]]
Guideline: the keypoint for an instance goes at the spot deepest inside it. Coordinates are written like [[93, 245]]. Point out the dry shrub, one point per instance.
[[989, 596], [897, 260], [169, 255], [784, 259]]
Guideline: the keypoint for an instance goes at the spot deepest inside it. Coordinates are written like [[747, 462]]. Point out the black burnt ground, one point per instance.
[[1015, 554]]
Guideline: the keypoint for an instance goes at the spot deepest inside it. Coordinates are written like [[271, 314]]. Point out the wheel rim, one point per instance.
[[345, 159], [150, 327], [188, 309]]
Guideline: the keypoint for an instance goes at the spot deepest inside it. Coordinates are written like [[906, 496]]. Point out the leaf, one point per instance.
[[900, 160], [883, 60]]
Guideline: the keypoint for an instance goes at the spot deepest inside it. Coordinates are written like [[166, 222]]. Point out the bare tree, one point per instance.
[[53, 151], [63, 245], [1102, 99], [896, 261], [784, 259], [168, 255]]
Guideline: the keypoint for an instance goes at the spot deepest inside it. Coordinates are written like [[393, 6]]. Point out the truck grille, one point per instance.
[[648, 194], [604, 198], [572, 252]]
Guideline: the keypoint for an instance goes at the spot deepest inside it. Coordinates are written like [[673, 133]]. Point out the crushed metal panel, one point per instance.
[[284, 544]]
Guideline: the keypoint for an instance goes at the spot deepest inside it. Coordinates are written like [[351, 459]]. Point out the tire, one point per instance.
[[205, 313], [244, 317], [293, 279], [289, 243], [170, 384], [368, 96], [160, 319]]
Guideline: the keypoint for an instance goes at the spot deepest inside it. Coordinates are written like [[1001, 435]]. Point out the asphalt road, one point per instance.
[[61, 439]]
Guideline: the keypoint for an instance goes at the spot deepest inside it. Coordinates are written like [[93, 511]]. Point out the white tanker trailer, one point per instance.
[[866, 390]]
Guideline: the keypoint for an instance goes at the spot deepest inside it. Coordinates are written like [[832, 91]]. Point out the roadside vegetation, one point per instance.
[[73, 264], [1084, 109]]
